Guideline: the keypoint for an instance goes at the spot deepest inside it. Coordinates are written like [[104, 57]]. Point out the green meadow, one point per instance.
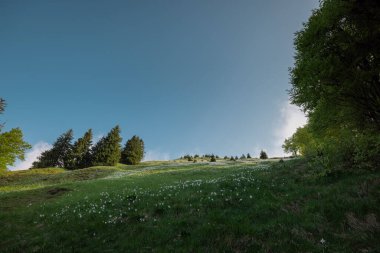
[[180, 206]]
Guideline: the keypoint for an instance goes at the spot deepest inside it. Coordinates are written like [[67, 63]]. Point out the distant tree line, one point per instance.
[[212, 157], [82, 153]]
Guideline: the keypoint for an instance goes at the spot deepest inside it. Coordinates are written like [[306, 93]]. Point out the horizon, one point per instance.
[[188, 78]]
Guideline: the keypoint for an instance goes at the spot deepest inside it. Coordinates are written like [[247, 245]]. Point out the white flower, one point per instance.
[[323, 241]]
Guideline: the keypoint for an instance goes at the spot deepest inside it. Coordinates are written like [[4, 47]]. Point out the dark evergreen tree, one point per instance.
[[232, 158], [59, 155], [213, 158], [225, 157], [249, 156], [242, 157], [236, 158], [106, 151], [263, 155], [133, 152], [81, 152], [2, 106]]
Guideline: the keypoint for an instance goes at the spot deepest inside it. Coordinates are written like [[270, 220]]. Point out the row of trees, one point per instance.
[[82, 153], [212, 157], [12, 145], [336, 81], [263, 155]]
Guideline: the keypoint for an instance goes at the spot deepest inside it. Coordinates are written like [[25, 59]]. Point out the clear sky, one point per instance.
[[187, 76]]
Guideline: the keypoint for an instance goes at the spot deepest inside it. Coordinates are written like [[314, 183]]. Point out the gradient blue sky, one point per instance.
[[187, 76]]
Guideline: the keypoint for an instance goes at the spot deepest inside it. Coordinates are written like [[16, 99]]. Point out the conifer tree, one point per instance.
[[133, 151], [242, 157], [59, 155], [81, 152], [263, 155], [106, 151], [249, 156], [2, 106]]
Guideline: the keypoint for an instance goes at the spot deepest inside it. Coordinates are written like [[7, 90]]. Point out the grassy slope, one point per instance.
[[235, 207]]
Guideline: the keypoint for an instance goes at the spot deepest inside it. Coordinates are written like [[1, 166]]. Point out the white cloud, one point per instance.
[[154, 155], [31, 156], [291, 117]]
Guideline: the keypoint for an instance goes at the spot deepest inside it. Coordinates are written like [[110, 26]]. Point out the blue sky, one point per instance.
[[187, 76]]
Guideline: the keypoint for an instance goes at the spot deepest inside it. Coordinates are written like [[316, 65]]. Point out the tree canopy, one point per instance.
[[133, 152], [336, 72], [12, 145], [59, 155], [336, 81], [81, 152], [263, 155], [107, 151]]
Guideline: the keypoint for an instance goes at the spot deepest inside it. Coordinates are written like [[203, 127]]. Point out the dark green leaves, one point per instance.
[[133, 151]]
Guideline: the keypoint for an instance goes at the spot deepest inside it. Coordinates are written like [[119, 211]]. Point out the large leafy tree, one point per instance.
[[336, 73], [12, 145], [300, 143], [59, 155], [336, 81], [81, 152], [133, 151], [107, 151]]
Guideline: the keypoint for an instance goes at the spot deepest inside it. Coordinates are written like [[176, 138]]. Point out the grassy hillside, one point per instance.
[[181, 206]]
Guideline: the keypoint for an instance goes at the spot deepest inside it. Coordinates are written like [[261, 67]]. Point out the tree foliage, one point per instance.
[[2, 107], [59, 155], [107, 151], [133, 152], [263, 155], [336, 81], [300, 143], [81, 152], [12, 145], [338, 62]]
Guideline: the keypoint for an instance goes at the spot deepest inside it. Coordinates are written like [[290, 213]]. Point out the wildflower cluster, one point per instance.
[[138, 204]]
